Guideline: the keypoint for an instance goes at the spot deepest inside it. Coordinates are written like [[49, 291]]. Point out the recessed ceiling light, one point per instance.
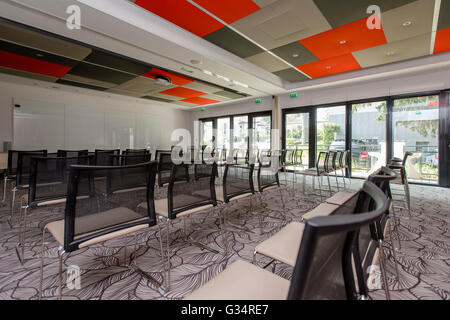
[[40, 55], [222, 77], [295, 55], [390, 53], [195, 61], [209, 73], [187, 70], [328, 67], [407, 23], [343, 41]]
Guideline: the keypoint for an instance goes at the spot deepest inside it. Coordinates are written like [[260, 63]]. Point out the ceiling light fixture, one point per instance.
[[164, 81], [328, 67], [407, 23], [209, 73], [240, 84], [222, 77], [40, 55], [390, 53], [343, 41], [295, 55], [195, 61], [187, 70]]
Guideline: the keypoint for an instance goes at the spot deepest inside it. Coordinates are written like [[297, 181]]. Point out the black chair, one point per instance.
[[112, 211], [165, 169], [72, 153], [318, 172], [402, 179], [23, 175], [135, 152], [157, 152], [129, 159], [102, 157], [47, 186], [237, 184], [185, 198], [323, 268]]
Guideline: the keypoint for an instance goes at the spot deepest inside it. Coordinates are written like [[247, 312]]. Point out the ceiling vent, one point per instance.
[[165, 81]]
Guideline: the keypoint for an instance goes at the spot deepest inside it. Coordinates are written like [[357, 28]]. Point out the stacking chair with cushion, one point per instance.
[[323, 267], [72, 153], [283, 246], [47, 186], [185, 198], [11, 170], [23, 174], [103, 157], [111, 212], [318, 172], [402, 179], [237, 184]]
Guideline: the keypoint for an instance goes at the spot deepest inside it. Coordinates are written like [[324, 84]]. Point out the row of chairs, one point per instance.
[[323, 254], [99, 209]]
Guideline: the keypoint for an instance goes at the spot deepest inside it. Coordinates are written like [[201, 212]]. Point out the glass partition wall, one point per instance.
[[375, 131]]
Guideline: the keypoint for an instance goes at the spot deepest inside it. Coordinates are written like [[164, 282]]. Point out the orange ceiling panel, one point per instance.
[[176, 79], [442, 43], [229, 10], [343, 40], [183, 14], [199, 101], [330, 66], [19, 62], [182, 92]]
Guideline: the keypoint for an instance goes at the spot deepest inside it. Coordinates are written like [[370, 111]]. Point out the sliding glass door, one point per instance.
[[368, 143], [416, 129]]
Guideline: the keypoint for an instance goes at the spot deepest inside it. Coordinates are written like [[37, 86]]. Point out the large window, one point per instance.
[[368, 144], [261, 132], [416, 129], [207, 133], [375, 131], [297, 133], [330, 128], [240, 132], [223, 133]]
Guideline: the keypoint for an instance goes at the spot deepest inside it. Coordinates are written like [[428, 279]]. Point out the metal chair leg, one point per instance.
[[60, 256], [383, 270], [13, 200], [4, 188], [42, 264]]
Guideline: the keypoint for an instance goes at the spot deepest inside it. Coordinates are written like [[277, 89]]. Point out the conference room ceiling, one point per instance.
[[299, 40], [31, 53]]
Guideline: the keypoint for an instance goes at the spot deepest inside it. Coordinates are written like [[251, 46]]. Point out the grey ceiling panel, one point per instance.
[[291, 75], [295, 53], [233, 42]]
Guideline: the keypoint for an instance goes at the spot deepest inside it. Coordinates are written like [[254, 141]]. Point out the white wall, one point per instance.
[[77, 99]]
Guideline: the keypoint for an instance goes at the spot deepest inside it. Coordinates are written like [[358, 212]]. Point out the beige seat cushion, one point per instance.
[[322, 210], [243, 281], [283, 246], [340, 198], [162, 209], [85, 225]]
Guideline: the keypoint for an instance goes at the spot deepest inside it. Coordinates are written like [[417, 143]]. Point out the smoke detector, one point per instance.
[[165, 81]]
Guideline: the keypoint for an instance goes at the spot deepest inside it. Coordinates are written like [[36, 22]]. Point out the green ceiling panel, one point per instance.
[[295, 53], [233, 42], [291, 75], [118, 63], [91, 71], [81, 85], [444, 15]]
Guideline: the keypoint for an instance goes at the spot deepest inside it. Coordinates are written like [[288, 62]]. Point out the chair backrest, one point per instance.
[[102, 157], [338, 160], [187, 195], [135, 152], [264, 157], [130, 159], [405, 158], [207, 154], [323, 268], [24, 165], [268, 169], [331, 161], [237, 180], [158, 152], [345, 159], [164, 167], [49, 178], [322, 162], [298, 156], [72, 153], [107, 211], [366, 240], [222, 155]]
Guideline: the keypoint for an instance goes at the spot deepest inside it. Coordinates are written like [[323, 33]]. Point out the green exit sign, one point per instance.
[[294, 95], [257, 100]]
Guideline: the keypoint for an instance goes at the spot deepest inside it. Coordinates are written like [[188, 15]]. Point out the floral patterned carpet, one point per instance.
[[424, 257]]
